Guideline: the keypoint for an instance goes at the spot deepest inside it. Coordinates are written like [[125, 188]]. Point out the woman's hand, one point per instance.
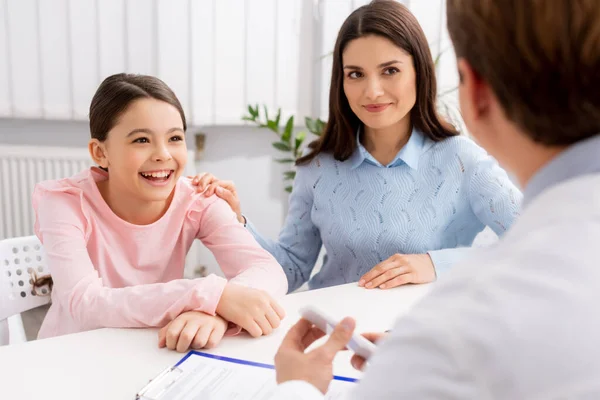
[[399, 269], [192, 330], [252, 309], [209, 184]]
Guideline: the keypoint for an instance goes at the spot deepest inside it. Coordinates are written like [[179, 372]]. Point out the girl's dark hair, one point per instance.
[[39, 283], [117, 92], [393, 21]]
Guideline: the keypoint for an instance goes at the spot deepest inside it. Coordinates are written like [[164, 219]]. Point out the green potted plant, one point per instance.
[[288, 141]]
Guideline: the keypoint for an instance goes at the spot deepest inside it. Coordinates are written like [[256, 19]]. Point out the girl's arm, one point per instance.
[[240, 257], [77, 285]]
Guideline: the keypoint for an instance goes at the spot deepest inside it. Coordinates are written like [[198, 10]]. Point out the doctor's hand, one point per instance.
[[399, 269], [209, 184], [315, 366], [357, 361]]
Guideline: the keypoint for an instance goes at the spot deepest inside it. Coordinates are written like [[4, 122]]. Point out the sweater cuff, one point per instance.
[[444, 260], [208, 293], [252, 229], [249, 225]]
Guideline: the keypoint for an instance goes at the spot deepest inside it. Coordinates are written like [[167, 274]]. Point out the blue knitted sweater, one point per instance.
[[432, 198]]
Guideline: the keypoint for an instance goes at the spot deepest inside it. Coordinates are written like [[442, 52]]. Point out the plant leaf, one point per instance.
[[266, 112], [282, 146], [289, 175], [278, 117], [287, 132], [298, 142], [310, 124], [285, 160], [439, 56], [247, 118], [273, 126], [320, 125], [288, 189]]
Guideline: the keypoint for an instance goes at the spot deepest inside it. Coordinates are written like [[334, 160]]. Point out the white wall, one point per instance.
[[218, 55]]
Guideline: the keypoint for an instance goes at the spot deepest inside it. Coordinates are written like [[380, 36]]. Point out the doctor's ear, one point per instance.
[[475, 93]]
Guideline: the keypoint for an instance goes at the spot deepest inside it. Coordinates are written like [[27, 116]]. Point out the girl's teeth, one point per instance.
[[157, 174]]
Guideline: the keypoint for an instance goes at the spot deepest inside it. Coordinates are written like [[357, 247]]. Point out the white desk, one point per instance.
[[113, 364]]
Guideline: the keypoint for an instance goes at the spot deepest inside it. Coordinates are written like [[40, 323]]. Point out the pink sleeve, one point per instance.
[[239, 255], [63, 229]]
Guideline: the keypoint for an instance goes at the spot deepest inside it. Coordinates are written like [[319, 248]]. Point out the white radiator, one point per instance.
[[21, 167]]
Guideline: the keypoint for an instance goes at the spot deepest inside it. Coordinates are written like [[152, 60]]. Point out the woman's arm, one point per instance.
[[495, 201], [299, 243]]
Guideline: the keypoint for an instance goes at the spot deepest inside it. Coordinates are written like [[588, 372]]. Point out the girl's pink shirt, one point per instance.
[[110, 273]]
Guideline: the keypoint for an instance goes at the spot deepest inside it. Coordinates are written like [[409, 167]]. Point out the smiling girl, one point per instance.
[[116, 236]]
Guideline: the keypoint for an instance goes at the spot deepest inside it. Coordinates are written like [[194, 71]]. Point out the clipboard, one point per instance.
[[168, 379]]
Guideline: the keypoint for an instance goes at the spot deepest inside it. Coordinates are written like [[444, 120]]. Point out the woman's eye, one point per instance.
[[391, 71], [354, 75], [141, 140], [176, 138]]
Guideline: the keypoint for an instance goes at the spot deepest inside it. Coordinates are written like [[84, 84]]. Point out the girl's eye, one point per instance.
[[141, 140], [391, 71], [354, 75], [176, 138]]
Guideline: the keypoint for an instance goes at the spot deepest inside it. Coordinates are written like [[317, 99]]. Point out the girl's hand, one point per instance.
[[252, 309], [399, 269], [210, 185], [192, 330]]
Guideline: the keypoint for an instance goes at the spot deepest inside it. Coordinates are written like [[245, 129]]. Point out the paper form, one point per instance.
[[209, 377]]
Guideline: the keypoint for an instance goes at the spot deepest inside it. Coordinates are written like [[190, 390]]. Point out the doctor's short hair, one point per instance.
[[540, 57]]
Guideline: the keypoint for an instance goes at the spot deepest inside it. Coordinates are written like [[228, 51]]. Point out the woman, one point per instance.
[[390, 188]]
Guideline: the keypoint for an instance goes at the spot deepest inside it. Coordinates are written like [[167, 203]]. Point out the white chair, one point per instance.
[[20, 259]]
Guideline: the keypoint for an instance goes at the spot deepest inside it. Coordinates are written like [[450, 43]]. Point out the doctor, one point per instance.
[[520, 321]]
